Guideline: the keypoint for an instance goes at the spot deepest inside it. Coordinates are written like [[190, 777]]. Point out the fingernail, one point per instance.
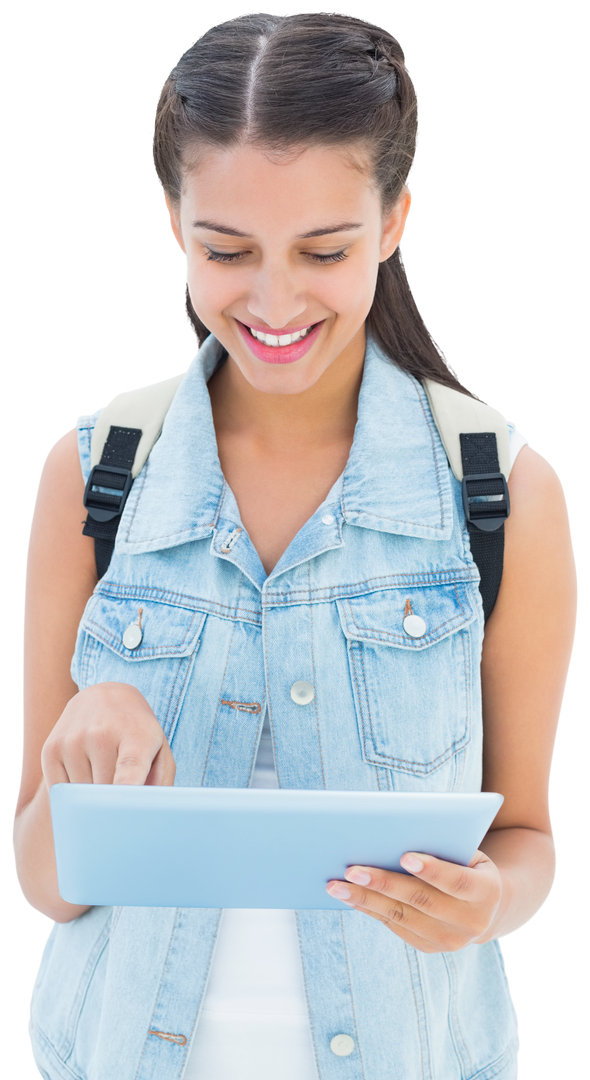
[[412, 863], [339, 891], [359, 877]]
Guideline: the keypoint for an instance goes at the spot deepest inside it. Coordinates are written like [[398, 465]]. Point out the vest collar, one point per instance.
[[396, 479]]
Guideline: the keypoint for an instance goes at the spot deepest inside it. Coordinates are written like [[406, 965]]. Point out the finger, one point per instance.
[[461, 882], [419, 930], [163, 770], [89, 756], [425, 932], [134, 760], [93, 764], [404, 888], [54, 770], [423, 944], [68, 757]]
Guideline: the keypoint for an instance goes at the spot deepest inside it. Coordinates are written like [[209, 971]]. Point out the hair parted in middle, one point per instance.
[[282, 83]]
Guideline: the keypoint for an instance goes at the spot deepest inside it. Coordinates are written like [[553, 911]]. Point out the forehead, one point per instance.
[[254, 192]]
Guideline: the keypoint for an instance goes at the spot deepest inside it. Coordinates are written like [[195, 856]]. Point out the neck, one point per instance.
[[324, 413]]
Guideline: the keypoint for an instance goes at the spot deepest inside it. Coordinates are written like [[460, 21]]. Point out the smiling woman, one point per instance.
[[285, 263], [298, 597]]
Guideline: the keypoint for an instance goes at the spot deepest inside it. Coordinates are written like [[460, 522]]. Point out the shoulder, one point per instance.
[[536, 494], [538, 583], [58, 513], [62, 470]]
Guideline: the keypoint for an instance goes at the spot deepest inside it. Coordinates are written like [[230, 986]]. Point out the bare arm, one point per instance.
[[526, 654], [106, 733]]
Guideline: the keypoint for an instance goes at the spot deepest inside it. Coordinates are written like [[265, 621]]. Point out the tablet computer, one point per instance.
[[226, 847]]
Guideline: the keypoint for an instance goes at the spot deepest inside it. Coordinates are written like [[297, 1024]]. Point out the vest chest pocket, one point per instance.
[[412, 693], [143, 642]]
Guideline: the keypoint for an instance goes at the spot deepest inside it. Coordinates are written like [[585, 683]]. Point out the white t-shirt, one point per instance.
[[254, 1023]]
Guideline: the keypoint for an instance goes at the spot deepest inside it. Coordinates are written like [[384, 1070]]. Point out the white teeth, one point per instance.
[[282, 339]]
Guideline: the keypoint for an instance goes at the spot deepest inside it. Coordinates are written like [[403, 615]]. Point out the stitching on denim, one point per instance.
[[202, 994], [268, 698], [391, 581], [138, 491], [411, 952], [350, 992], [166, 536], [454, 1025], [49, 1048], [215, 722], [358, 694], [157, 996], [83, 986], [108, 638], [170, 721], [419, 392], [315, 700], [462, 640], [489, 1072], [141, 592], [421, 395], [375, 757], [379, 635], [397, 521], [428, 639], [256, 743], [309, 1011], [417, 1011]]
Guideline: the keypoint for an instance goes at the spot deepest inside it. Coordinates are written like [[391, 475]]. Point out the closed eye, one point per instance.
[[233, 256]]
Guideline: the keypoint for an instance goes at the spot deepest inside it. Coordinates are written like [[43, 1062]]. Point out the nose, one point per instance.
[[275, 298]]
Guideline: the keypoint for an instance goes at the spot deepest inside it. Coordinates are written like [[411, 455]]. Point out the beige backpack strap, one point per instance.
[[454, 413], [145, 409]]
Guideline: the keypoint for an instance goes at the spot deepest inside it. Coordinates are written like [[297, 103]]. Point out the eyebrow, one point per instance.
[[214, 226]]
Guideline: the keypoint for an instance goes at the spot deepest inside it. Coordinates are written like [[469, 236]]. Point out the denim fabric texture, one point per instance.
[[119, 990]]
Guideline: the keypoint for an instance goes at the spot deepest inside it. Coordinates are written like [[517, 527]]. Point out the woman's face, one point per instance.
[[288, 249]]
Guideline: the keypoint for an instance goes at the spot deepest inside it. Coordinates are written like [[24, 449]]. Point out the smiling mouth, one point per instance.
[[281, 340]]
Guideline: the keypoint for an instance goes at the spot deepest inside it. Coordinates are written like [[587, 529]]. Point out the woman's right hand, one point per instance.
[[108, 734]]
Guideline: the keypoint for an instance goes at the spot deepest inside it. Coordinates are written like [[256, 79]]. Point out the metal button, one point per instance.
[[414, 626], [328, 519], [302, 692], [342, 1045], [133, 636]]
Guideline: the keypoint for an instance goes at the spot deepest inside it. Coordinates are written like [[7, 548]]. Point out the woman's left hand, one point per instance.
[[440, 907]]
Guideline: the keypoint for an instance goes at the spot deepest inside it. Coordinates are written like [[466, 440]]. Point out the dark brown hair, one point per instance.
[[284, 82]]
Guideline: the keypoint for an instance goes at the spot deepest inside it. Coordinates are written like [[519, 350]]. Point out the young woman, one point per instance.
[[298, 504]]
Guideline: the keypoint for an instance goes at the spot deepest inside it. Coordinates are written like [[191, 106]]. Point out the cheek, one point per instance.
[[349, 292], [211, 290]]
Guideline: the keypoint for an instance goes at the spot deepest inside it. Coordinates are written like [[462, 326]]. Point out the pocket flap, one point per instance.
[[379, 617], [166, 630]]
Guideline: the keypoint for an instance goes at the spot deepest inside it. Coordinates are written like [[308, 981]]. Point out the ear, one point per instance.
[[394, 225], [174, 211]]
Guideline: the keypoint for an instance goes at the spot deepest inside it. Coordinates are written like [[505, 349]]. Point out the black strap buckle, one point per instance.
[[108, 503], [488, 515]]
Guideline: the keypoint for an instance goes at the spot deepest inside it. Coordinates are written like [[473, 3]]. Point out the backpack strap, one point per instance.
[[475, 438], [123, 437]]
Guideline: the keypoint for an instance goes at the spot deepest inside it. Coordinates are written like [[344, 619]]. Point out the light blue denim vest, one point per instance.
[[119, 990]]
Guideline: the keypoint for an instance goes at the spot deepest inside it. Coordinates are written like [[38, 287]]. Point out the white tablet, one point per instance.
[[242, 848]]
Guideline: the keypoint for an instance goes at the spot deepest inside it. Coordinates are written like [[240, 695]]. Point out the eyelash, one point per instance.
[[218, 256]]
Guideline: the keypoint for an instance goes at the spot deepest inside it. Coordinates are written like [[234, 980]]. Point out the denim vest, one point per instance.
[[119, 989]]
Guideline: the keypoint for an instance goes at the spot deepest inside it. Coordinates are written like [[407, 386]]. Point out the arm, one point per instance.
[[106, 733], [527, 647], [61, 575], [526, 653]]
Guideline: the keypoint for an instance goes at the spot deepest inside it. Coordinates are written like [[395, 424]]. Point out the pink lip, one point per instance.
[[279, 354]]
